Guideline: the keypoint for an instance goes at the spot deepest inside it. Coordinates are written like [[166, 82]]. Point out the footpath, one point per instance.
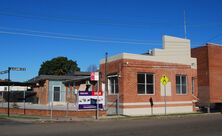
[[40, 119]]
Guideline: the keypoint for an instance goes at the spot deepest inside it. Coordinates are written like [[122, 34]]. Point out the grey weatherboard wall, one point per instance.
[[62, 90]]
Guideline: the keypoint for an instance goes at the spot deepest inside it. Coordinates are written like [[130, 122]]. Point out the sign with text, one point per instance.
[[88, 99], [4, 72], [94, 76], [17, 69]]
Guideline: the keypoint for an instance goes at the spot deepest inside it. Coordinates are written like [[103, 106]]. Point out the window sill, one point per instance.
[[181, 94], [146, 94], [112, 94]]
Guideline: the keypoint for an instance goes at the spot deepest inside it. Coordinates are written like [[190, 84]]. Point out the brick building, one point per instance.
[[209, 71], [57, 88], [134, 79]]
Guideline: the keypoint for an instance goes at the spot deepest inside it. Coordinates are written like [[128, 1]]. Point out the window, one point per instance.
[[193, 85], [181, 84], [145, 83], [56, 94], [113, 84], [5, 88]]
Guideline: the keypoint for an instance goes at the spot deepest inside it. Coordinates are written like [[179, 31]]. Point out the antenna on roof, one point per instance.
[[185, 25]]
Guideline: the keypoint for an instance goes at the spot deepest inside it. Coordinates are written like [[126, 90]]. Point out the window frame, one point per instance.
[[181, 84], [109, 84], [146, 83], [193, 86], [53, 87]]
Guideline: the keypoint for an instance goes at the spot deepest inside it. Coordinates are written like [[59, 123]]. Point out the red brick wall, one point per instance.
[[70, 96], [209, 65], [56, 113], [201, 54], [42, 92], [114, 68], [128, 69], [215, 73]]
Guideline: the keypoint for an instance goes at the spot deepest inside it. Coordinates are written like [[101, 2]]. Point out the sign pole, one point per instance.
[[24, 99], [51, 104], [9, 91], [164, 80], [8, 71], [165, 98]]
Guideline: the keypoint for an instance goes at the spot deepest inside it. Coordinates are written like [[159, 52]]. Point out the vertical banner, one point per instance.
[[94, 76]]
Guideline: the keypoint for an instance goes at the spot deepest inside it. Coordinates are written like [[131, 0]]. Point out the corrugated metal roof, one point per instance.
[[78, 79], [76, 76]]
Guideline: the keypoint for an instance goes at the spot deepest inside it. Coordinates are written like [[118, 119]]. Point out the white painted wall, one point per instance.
[[175, 50], [168, 89], [13, 88], [157, 110], [112, 111]]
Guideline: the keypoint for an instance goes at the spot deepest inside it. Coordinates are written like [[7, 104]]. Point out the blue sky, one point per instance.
[[89, 28]]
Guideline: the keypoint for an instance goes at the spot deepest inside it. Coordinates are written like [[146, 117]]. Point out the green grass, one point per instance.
[[5, 116]]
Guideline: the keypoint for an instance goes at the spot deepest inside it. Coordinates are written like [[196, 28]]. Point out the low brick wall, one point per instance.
[[56, 113]]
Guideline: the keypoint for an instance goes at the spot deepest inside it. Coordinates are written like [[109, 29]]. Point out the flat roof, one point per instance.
[[15, 83]]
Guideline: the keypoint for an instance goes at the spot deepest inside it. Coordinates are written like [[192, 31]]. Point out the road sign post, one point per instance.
[[164, 80], [12, 69], [8, 91], [165, 99], [95, 76]]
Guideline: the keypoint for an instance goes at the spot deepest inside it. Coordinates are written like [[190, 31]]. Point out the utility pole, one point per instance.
[[106, 81]]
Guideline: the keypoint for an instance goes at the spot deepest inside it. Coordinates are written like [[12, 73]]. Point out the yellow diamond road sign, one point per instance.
[[164, 80]]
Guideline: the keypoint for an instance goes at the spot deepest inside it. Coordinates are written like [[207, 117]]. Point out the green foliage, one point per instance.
[[58, 66]]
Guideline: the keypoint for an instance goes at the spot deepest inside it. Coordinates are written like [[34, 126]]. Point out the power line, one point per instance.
[[71, 37], [99, 21], [214, 37], [74, 19], [74, 38]]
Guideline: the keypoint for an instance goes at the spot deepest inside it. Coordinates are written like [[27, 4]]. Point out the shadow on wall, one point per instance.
[[18, 96]]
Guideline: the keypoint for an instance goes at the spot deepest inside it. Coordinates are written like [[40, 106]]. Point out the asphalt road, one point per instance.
[[202, 125]]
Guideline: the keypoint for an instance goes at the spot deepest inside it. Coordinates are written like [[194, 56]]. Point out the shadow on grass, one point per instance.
[[5, 116]]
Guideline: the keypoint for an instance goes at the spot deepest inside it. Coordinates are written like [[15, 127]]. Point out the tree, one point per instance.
[[92, 68], [58, 66]]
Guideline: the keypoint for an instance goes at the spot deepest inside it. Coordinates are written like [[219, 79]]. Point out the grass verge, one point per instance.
[[5, 116]]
